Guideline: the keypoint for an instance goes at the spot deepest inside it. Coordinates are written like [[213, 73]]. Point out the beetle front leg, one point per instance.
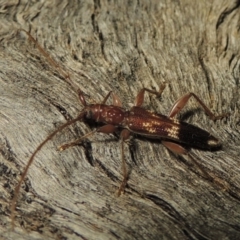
[[116, 100], [181, 102], [140, 97], [104, 129]]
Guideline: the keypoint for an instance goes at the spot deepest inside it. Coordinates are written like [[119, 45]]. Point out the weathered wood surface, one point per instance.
[[121, 46]]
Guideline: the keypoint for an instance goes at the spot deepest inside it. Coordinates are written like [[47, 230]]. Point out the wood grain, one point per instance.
[[120, 46]]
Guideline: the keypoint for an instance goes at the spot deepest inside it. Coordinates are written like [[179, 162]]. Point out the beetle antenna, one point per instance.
[[30, 161]]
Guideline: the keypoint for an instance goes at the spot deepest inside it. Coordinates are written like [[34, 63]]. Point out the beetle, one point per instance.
[[137, 120], [174, 134]]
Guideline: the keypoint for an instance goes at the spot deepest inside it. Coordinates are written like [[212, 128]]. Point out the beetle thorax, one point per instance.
[[108, 114]]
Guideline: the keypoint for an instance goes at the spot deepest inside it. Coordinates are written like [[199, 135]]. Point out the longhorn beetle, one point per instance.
[[175, 135]]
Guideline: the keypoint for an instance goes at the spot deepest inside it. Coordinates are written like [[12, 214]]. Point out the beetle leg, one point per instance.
[[124, 136], [104, 129], [116, 100], [140, 97], [181, 102], [174, 147]]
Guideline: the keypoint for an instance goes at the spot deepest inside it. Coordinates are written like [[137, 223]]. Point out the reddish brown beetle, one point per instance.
[[175, 135]]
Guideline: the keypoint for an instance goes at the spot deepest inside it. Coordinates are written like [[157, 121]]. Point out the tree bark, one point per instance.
[[120, 46]]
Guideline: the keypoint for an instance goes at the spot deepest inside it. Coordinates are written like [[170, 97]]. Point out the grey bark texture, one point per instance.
[[120, 46]]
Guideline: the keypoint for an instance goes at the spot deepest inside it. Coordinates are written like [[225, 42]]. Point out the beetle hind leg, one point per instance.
[[124, 136], [181, 102], [174, 147]]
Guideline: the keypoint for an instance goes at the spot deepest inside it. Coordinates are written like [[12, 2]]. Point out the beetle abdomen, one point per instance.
[[197, 137], [154, 125]]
